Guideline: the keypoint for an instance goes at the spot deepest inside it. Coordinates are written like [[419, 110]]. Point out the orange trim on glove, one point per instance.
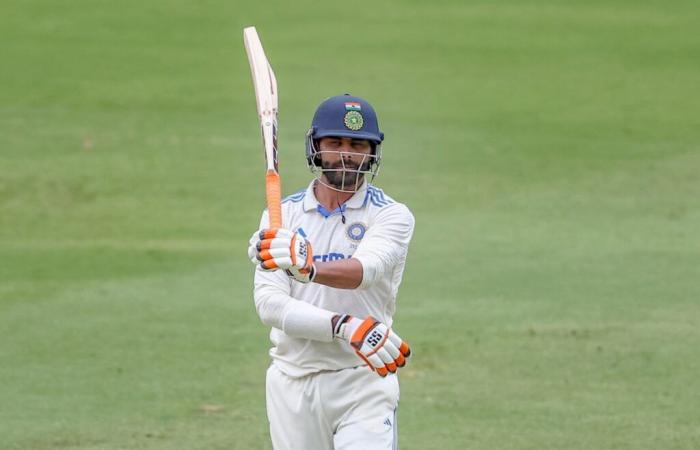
[[359, 336]]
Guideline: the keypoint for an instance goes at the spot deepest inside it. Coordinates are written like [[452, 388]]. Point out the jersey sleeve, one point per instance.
[[278, 309], [385, 244]]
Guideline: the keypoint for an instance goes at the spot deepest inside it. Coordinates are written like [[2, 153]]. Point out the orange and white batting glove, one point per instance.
[[279, 248], [382, 349]]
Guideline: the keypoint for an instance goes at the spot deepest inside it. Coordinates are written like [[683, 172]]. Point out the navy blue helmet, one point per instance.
[[346, 116]]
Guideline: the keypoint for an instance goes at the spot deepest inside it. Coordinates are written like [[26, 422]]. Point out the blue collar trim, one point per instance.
[[326, 214]]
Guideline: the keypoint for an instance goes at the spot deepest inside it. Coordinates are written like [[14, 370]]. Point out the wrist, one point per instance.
[[340, 325], [334, 322]]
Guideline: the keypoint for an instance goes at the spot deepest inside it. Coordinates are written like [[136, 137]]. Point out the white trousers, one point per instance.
[[349, 409]]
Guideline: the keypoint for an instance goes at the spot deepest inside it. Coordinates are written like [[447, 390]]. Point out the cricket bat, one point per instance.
[[265, 85]]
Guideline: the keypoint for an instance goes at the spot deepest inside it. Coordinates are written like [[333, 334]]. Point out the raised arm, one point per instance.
[[383, 247]]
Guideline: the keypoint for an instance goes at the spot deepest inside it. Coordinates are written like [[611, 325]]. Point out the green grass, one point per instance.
[[549, 151]]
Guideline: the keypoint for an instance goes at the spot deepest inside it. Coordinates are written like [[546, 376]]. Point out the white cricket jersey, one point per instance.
[[376, 231]]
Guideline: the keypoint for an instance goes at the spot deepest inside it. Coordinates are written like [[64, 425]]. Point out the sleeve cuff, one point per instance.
[[369, 271]]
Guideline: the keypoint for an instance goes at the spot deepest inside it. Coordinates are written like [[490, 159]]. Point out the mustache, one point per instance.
[[347, 165], [341, 165], [351, 165]]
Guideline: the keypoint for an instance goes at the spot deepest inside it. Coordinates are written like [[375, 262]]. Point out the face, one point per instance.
[[342, 158]]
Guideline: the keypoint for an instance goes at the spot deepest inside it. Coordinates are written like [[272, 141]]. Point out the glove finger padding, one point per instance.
[[270, 233], [273, 253], [255, 258], [388, 361], [404, 352], [279, 248], [375, 363], [276, 263], [277, 242]]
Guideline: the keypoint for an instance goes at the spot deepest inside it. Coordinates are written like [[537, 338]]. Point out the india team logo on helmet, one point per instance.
[[353, 120]]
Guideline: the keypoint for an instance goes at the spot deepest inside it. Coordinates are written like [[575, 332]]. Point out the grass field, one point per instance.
[[548, 149]]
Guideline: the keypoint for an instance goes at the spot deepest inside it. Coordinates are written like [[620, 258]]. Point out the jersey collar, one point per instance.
[[355, 202]]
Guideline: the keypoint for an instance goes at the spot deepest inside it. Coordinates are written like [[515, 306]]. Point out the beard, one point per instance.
[[348, 176]]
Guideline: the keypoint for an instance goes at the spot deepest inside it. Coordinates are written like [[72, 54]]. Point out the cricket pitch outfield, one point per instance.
[[548, 150]]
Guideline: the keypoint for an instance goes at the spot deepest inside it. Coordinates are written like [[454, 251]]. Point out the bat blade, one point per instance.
[[265, 84]]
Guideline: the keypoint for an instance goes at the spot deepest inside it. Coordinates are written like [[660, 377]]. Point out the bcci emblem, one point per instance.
[[356, 231], [353, 120]]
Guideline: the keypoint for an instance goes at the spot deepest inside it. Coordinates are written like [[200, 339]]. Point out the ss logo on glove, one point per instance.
[[374, 338], [302, 249]]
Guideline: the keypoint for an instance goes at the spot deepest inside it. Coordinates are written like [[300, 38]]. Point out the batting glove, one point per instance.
[[279, 248], [382, 349]]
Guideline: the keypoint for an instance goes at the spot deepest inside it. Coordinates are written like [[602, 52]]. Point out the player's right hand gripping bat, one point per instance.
[[266, 95]]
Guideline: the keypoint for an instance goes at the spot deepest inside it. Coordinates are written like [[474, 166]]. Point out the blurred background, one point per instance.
[[548, 149]]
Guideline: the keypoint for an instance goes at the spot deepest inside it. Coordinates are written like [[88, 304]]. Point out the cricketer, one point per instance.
[[326, 282]]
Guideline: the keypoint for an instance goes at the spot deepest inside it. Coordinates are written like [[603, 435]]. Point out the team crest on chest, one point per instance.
[[356, 231]]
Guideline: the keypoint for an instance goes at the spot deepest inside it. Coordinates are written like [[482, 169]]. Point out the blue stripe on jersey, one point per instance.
[[374, 201], [380, 195], [378, 192], [296, 197], [376, 197]]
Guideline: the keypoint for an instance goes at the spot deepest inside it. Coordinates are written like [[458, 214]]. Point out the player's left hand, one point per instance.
[[280, 248]]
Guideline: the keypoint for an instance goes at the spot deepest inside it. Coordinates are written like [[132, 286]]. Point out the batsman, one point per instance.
[[326, 282]]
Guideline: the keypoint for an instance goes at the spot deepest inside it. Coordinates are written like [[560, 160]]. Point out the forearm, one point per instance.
[[296, 318], [341, 274]]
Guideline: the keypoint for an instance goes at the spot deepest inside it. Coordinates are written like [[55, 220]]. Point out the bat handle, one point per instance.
[[273, 190]]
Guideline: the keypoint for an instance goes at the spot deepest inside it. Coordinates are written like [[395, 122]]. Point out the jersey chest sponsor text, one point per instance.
[[332, 256]]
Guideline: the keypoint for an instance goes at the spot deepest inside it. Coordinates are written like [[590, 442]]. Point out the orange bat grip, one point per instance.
[[273, 190]]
